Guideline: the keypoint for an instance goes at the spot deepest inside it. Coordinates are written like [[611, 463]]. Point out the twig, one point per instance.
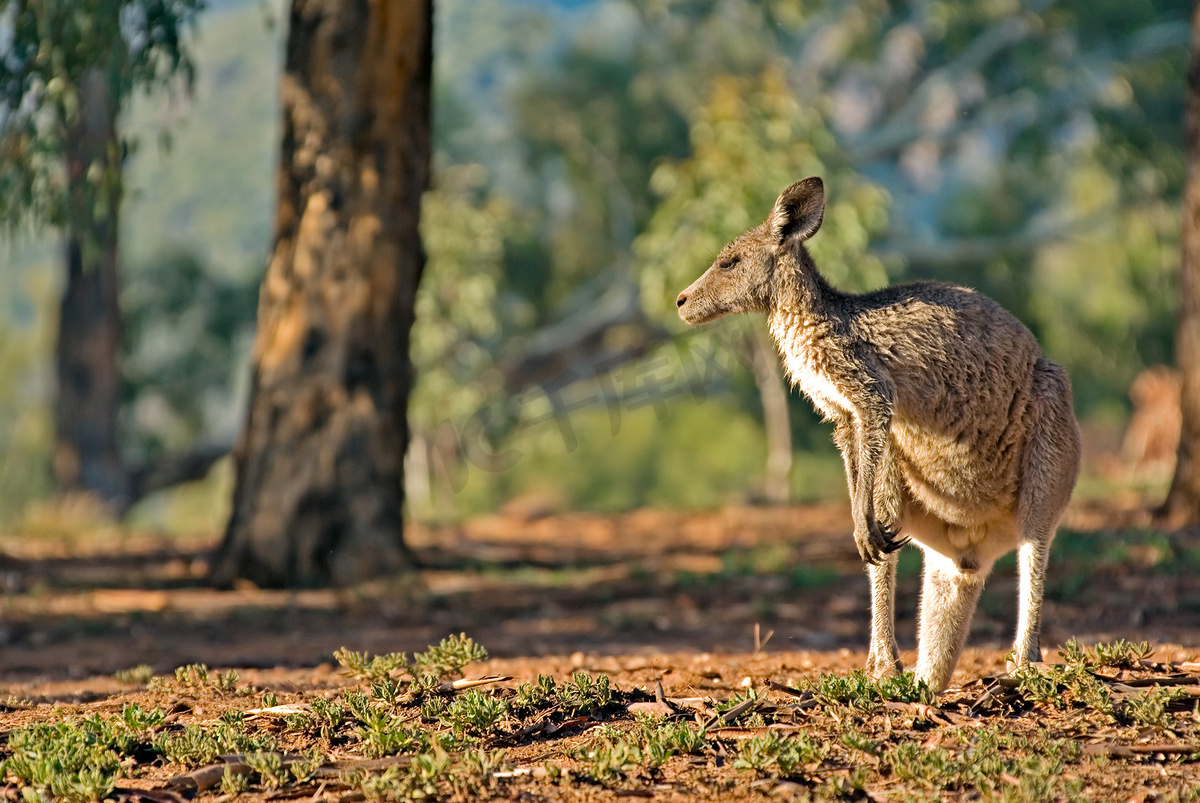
[[803, 695], [759, 643], [471, 683], [1176, 680], [733, 713], [921, 710], [1114, 750]]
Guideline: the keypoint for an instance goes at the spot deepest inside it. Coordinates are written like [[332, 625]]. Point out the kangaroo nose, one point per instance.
[[679, 302]]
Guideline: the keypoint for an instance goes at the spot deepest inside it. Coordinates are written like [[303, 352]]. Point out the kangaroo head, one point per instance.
[[740, 278]]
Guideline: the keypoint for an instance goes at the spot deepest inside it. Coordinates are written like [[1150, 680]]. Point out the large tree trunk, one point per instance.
[[320, 464], [1182, 505], [86, 454]]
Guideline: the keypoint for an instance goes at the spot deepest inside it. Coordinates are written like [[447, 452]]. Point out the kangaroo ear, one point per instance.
[[799, 210]]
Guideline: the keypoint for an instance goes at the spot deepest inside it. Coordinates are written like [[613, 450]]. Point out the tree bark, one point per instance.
[[320, 463], [776, 422], [86, 454], [1182, 505]]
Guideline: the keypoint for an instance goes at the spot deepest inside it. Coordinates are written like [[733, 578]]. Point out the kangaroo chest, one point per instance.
[[801, 361]]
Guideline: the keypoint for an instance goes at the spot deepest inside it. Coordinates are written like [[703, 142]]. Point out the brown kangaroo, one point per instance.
[[957, 433]]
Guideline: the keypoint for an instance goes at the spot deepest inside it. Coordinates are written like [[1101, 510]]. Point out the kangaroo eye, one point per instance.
[[728, 262]]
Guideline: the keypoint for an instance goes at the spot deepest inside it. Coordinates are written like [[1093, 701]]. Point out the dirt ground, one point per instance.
[[636, 584], [705, 603]]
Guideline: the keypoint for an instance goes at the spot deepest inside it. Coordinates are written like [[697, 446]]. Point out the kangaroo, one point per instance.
[[956, 432]]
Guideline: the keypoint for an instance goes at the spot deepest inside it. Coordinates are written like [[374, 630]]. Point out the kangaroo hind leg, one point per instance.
[[1049, 468], [948, 599]]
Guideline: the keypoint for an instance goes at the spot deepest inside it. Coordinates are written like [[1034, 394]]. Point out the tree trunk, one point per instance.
[[1182, 505], [86, 453], [773, 394], [320, 464]]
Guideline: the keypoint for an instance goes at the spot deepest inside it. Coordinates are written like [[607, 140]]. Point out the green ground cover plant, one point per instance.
[[396, 727]]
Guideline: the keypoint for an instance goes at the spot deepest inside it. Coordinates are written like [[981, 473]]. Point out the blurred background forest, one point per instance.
[[591, 157]]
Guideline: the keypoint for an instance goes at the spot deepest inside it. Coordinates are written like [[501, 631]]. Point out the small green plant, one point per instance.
[[363, 666], [1119, 654], [69, 761], [476, 712], [269, 766], [610, 758], [140, 675], [863, 695], [1149, 709], [659, 739], [388, 690], [450, 655], [583, 693], [536, 695], [775, 754], [1066, 686], [423, 779], [327, 714], [197, 745], [857, 740], [383, 734], [747, 696], [235, 783], [304, 768], [199, 676]]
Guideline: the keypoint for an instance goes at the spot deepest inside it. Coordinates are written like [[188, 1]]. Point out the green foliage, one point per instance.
[[1149, 709], [199, 677], [445, 659], [383, 734], [1065, 687], [78, 760], [460, 312], [140, 675], [660, 739], [328, 714], [751, 140], [860, 693], [584, 693], [185, 328], [747, 696], [363, 666], [62, 56], [988, 758], [69, 761], [610, 758], [448, 657], [234, 783], [476, 712], [197, 745], [778, 755], [27, 440], [1119, 654], [581, 694], [269, 766], [536, 694]]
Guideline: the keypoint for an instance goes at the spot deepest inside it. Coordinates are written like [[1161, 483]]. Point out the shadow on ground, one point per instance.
[[641, 583]]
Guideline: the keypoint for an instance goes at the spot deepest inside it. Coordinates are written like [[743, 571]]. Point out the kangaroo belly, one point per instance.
[[960, 481], [973, 548]]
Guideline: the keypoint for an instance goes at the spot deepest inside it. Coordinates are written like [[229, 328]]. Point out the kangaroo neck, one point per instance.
[[799, 293]]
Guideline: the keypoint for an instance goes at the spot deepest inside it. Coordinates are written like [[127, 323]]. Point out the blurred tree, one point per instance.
[[462, 313], [67, 71], [185, 327], [319, 465], [751, 133], [1182, 505]]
